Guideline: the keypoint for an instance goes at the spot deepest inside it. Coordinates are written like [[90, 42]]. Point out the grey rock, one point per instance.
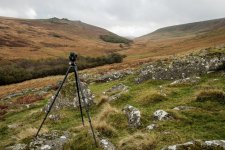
[[17, 147], [214, 144], [107, 145], [161, 115], [183, 108], [151, 127], [50, 141], [133, 116], [116, 91]]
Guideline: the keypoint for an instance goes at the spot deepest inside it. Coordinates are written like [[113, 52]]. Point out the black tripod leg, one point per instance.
[[78, 93], [85, 104], [57, 93]]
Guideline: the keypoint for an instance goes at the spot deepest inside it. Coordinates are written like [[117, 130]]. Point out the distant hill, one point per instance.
[[189, 29], [54, 37], [178, 39]]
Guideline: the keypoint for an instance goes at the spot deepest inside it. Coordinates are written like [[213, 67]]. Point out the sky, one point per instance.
[[130, 18]]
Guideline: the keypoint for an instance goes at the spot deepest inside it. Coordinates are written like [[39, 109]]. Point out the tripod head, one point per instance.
[[72, 58]]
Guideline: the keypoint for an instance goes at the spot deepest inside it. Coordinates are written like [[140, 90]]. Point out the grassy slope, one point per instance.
[[178, 40], [44, 38], [205, 122]]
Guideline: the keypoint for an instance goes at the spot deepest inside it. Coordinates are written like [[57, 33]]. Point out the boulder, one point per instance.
[[161, 115], [133, 116]]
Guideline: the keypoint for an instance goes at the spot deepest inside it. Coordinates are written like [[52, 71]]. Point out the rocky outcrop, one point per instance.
[[133, 116], [113, 75], [47, 141], [180, 68], [70, 98], [50, 141], [161, 115], [193, 145], [116, 91]]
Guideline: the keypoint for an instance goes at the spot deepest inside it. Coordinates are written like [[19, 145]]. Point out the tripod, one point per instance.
[[73, 66]]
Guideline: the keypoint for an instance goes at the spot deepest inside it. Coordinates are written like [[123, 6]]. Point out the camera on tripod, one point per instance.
[[72, 57]]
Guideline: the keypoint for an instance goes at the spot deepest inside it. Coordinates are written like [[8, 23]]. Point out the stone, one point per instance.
[[17, 147], [116, 91], [52, 140], [54, 117], [113, 75], [45, 147], [192, 145], [13, 126], [189, 80], [133, 116], [220, 143], [107, 145], [183, 108], [161, 115], [151, 126]]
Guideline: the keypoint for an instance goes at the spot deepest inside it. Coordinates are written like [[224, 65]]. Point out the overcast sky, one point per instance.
[[124, 17]]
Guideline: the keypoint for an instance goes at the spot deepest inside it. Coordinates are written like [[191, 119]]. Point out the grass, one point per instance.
[[205, 122]]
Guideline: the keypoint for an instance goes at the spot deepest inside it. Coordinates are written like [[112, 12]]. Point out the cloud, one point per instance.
[[124, 17]]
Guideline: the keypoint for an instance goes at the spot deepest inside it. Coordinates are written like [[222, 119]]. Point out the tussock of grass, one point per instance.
[[105, 129], [106, 112], [103, 99], [211, 95], [150, 98], [138, 141]]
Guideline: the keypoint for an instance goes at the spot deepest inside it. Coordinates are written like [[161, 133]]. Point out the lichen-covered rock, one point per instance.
[[116, 91], [17, 147], [133, 116], [107, 145], [204, 145], [69, 98], [49, 141], [113, 75], [161, 115]]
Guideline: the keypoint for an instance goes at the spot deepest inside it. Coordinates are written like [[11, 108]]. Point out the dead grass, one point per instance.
[[106, 112], [138, 141], [28, 99]]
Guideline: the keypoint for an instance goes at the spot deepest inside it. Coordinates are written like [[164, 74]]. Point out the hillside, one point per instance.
[[178, 39], [141, 109], [44, 38]]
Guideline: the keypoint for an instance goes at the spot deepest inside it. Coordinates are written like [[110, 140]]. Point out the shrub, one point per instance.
[[211, 95], [114, 39], [22, 69]]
